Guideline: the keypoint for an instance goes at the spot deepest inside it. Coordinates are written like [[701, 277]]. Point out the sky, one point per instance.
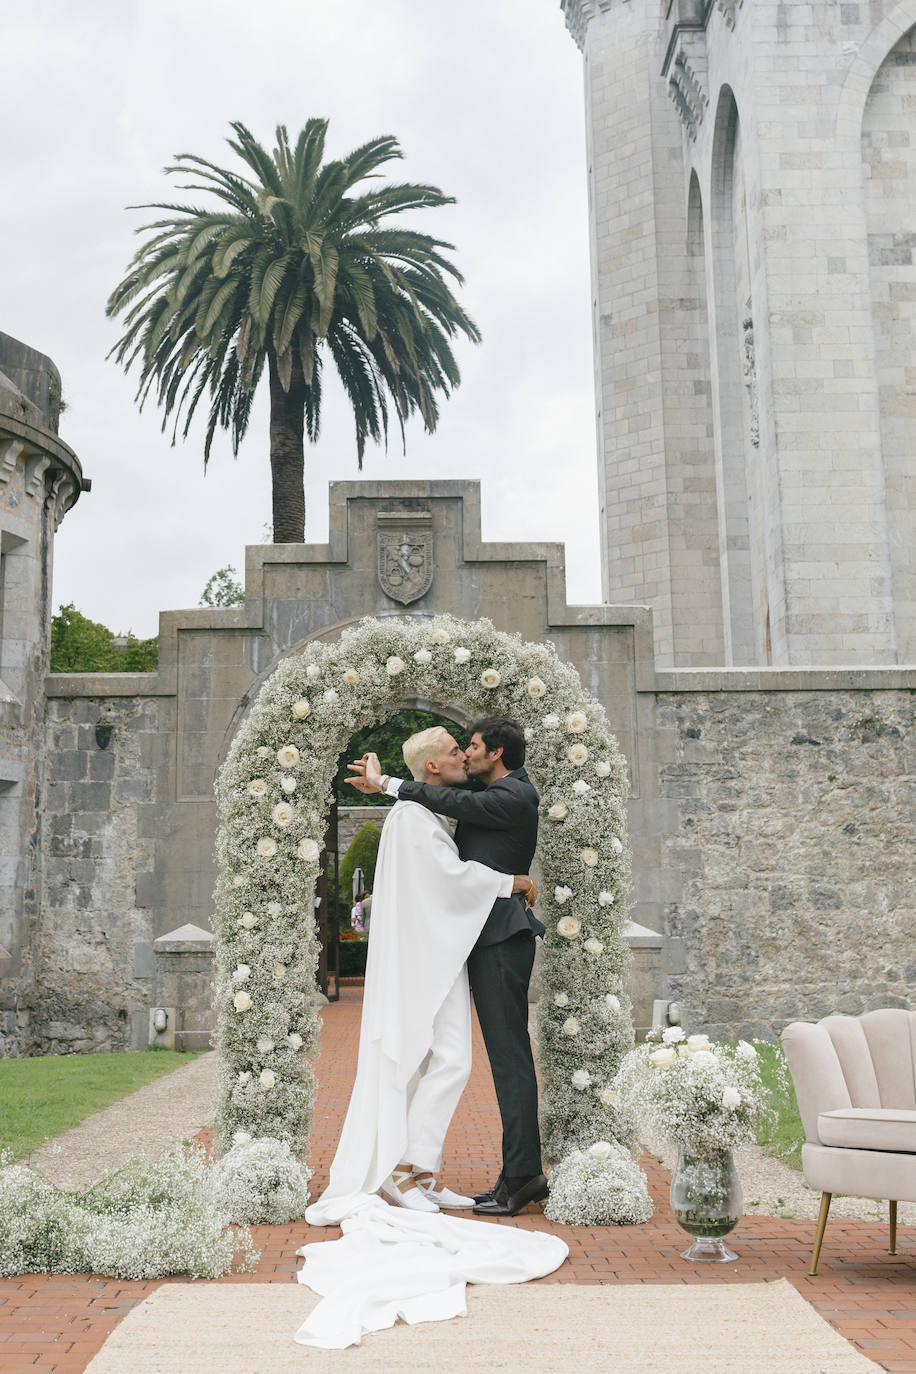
[[486, 100]]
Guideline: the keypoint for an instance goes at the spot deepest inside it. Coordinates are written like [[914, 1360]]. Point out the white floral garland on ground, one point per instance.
[[272, 793]]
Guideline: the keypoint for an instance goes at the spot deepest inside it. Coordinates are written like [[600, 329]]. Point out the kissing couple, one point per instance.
[[447, 914]]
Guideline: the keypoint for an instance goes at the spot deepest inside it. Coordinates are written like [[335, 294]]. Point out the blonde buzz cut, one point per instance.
[[422, 749]]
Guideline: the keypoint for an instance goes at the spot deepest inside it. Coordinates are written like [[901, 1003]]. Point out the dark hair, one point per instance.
[[500, 732]]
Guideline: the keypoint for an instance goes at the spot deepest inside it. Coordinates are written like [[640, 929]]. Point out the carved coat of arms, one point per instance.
[[405, 561]]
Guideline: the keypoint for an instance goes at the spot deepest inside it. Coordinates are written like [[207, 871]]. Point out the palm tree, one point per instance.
[[299, 262]]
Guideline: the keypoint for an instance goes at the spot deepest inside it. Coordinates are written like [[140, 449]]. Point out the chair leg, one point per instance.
[[819, 1238], [893, 1212]]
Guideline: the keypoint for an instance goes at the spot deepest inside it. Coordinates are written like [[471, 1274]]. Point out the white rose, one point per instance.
[[279, 972], [394, 665], [683, 1051], [241, 1138], [616, 844], [330, 697], [581, 787], [283, 814], [265, 1044], [608, 1097], [570, 1026], [288, 756], [569, 927], [267, 1078], [441, 637], [672, 1034], [241, 1001], [612, 1002], [536, 688], [663, 1058], [558, 812], [603, 768], [267, 847], [462, 655], [550, 721], [257, 787], [490, 678], [581, 1080], [274, 909], [589, 857], [731, 1098], [295, 1041], [248, 920], [243, 1079], [561, 895], [561, 999], [288, 784], [301, 708], [309, 850], [422, 656], [350, 676], [313, 672], [697, 1042], [241, 974], [602, 1149], [577, 722], [705, 1057], [262, 751], [746, 1051], [594, 946], [238, 880], [605, 898], [577, 754]]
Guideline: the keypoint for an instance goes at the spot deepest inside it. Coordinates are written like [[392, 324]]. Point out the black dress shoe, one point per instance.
[[510, 1204], [491, 1193]]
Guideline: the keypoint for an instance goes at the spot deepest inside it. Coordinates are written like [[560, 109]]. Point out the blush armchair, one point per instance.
[[855, 1080]]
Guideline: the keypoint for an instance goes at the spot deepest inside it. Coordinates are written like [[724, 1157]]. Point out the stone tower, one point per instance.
[[40, 479], [752, 191]]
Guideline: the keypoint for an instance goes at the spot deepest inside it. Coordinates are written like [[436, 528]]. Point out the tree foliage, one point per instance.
[[81, 645], [298, 263], [223, 589]]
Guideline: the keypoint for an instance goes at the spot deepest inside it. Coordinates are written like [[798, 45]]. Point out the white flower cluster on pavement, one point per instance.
[[270, 843]]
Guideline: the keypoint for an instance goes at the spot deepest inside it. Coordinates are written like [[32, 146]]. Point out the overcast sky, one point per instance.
[[485, 97]]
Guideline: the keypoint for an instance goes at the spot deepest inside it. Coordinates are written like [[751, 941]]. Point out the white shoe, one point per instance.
[[443, 1197], [415, 1199]]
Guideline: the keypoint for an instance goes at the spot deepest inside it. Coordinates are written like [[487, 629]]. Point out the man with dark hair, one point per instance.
[[497, 827]]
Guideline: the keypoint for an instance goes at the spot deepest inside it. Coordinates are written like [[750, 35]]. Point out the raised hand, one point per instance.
[[368, 774]]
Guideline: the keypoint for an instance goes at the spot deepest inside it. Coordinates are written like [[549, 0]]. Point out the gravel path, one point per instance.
[[772, 1189], [148, 1122]]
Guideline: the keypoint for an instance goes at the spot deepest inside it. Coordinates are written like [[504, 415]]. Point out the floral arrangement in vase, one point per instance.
[[706, 1097]]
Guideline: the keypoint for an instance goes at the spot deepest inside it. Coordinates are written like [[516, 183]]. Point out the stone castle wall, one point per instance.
[[771, 817], [752, 196]]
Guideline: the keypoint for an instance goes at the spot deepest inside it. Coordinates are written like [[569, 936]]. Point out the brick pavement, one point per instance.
[[55, 1324]]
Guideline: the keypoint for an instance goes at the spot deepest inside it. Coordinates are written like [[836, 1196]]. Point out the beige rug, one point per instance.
[[753, 1328]]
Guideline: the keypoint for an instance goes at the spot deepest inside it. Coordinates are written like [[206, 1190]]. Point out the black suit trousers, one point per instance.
[[499, 976]]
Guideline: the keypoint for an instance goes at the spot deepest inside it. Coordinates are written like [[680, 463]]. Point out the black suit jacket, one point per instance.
[[497, 827]]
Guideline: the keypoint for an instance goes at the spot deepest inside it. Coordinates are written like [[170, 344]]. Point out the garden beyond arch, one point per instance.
[[273, 795]]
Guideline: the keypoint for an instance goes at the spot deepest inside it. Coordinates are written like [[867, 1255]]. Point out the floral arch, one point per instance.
[[273, 792]]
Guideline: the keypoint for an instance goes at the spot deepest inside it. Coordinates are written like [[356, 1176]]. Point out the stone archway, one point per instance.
[[272, 794]]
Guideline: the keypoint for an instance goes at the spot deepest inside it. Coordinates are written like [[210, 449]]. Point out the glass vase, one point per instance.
[[707, 1201]]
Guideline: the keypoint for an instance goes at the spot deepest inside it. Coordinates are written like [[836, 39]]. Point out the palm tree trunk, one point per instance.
[[287, 458]]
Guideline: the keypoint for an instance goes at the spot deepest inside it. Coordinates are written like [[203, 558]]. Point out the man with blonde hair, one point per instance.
[[428, 910]]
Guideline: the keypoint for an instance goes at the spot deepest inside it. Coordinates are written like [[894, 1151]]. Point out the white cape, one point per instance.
[[393, 1263], [428, 909]]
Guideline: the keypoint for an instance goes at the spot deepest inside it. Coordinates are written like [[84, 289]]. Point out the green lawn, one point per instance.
[[785, 1138], [41, 1097]]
